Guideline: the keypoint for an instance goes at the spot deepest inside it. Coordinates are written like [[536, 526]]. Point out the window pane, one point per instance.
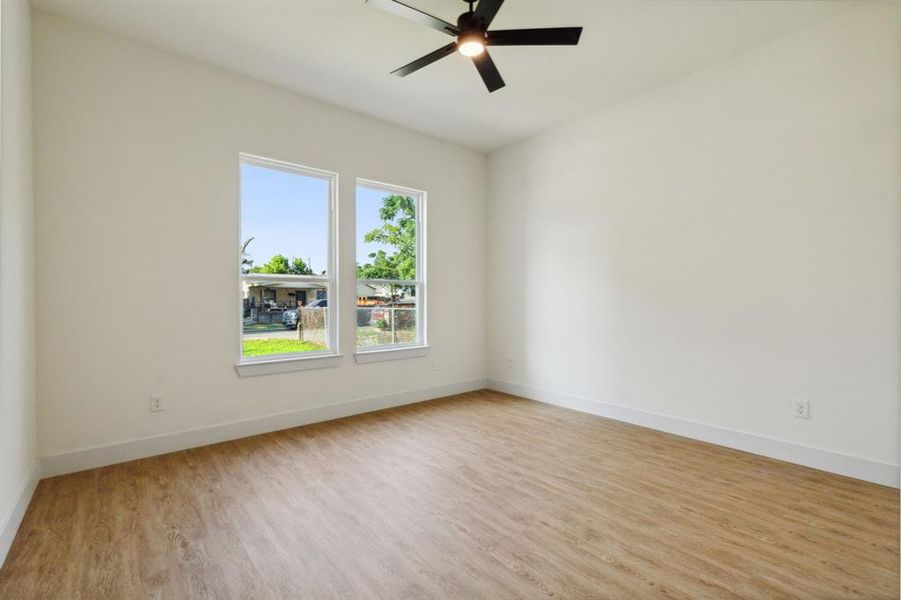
[[284, 221], [388, 303], [386, 314], [284, 260], [284, 318], [386, 234]]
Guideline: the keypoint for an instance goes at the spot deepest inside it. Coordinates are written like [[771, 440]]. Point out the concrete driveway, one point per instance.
[[268, 335]]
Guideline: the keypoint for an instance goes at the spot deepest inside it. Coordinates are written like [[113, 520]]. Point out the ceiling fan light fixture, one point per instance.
[[471, 44]]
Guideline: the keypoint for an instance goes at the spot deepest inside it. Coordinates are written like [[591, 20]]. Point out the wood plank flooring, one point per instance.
[[481, 495]]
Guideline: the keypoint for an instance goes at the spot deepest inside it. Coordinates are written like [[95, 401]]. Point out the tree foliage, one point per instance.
[[299, 267], [279, 264], [398, 215]]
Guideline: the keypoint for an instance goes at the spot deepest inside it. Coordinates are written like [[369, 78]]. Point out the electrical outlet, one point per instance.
[[509, 363], [434, 365], [156, 403], [801, 409]]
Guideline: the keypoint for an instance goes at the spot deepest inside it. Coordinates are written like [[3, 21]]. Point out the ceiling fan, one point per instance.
[[473, 37]]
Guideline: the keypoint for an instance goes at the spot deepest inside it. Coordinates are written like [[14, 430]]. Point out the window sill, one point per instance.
[[370, 356], [286, 365]]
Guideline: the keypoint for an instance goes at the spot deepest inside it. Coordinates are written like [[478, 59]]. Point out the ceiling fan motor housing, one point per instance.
[[469, 23]]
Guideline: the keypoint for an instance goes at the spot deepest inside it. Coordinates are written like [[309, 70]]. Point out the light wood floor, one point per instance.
[[481, 495]]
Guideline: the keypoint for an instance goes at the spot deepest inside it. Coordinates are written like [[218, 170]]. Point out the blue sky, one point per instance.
[[287, 213]]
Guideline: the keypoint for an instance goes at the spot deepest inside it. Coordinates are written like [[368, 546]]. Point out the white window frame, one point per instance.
[[420, 346], [277, 363]]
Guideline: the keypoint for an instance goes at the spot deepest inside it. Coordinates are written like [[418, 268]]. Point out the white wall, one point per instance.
[[718, 246], [137, 207], [708, 251], [17, 354]]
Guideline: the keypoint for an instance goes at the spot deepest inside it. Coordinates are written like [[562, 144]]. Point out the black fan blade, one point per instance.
[[425, 60], [485, 11], [490, 75], [551, 36], [417, 16]]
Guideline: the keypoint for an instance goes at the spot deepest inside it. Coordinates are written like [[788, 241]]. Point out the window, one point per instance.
[[390, 275], [287, 261]]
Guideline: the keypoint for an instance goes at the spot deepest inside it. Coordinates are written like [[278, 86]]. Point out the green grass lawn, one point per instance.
[[278, 346]]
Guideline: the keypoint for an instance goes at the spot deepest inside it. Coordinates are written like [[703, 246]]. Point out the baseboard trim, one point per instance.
[[101, 456], [11, 521], [817, 458]]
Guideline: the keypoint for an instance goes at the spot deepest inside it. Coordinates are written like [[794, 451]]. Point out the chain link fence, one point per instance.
[[384, 325]]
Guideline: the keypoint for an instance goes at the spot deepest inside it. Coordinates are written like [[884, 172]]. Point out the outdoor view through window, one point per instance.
[[389, 272], [286, 237]]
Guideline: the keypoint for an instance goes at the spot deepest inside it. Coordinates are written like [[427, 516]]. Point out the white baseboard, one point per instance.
[[11, 521], [817, 458], [89, 458]]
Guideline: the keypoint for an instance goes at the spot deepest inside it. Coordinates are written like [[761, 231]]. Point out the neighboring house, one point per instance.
[[263, 291], [370, 294], [266, 292]]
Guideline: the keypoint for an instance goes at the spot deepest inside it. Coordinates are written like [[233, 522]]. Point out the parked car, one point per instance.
[[289, 319]]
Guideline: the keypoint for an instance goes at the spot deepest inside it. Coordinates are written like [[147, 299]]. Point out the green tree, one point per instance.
[[398, 214], [299, 267], [279, 264]]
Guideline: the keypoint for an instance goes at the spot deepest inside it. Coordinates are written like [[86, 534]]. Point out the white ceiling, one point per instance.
[[341, 51]]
